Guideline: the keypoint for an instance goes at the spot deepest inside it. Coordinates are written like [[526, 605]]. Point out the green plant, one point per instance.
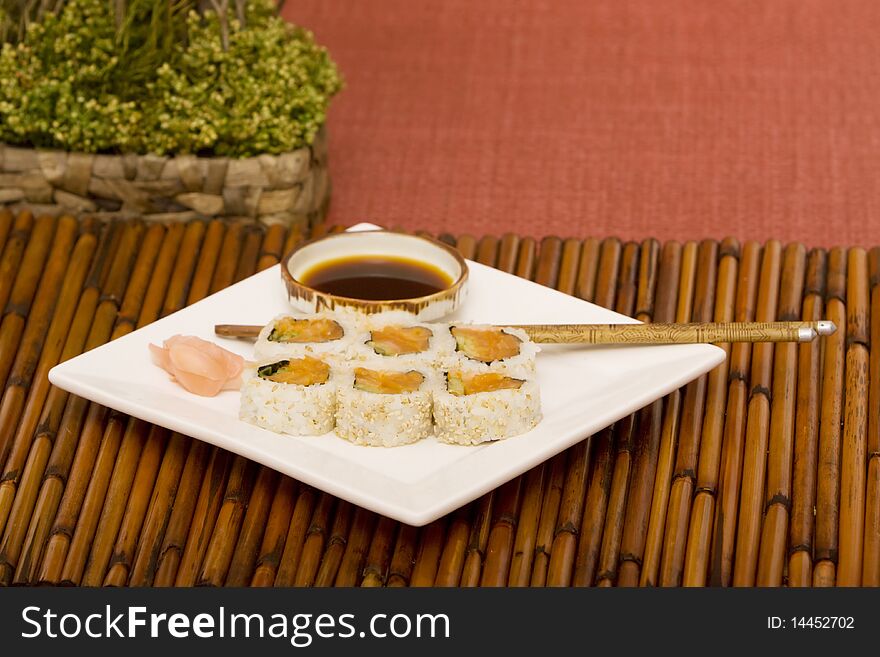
[[161, 76]]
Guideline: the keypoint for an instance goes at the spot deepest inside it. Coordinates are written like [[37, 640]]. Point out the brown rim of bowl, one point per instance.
[[456, 284]]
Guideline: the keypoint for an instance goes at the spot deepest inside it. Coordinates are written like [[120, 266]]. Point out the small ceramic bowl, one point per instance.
[[375, 243]]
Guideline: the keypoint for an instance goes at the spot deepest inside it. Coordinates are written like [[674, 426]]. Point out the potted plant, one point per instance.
[[166, 109]]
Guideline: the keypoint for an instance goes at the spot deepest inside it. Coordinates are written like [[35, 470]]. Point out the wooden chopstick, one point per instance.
[[638, 333]]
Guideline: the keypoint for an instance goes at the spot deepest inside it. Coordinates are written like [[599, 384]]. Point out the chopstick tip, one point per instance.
[[807, 334], [825, 327]]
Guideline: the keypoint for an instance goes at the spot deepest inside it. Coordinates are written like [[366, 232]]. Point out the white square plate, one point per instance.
[[583, 390]]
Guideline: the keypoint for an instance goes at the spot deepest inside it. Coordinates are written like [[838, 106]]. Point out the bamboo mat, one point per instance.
[[765, 471]]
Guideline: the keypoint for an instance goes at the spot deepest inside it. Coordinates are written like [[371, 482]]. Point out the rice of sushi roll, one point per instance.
[[296, 336], [396, 337], [293, 396], [474, 406], [492, 348], [383, 405]]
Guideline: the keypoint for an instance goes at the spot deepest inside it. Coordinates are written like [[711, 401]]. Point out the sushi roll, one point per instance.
[[492, 348], [293, 396], [475, 407], [385, 406], [396, 337], [296, 336]]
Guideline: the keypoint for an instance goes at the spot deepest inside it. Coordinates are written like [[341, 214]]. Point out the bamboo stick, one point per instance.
[[275, 535], [295, 237], [563, 550], [523, 265], [135, 510], [218, 555], [757, 427], [162, 273], [668, 433], [478, 541], [13, 252], [800, 564], [296, 535], [549, 513], [566, 281], [315, 539], [774, 532], [68, 530], [191, 522], [91, 567], [402, 558], [142, 562], [73, 457], [830, 420], [59, 411], [87, 565], [336, 543], [487, 249], [215, 257], [349, 573], [610, 552], [208, 261], [612, 534], [272, 247], [178, 285], [36, 333], [126, 548], [702, 511], [245, 555], [21, 297], [650, 306], [148, 283], [6, 221], [727, 502], [467, 246], [238, 259], [568, 521], [523, 556], [507, 252], [530, 513], [455, 553], [871, 558], [853, 456], [501, 535], [452, 559], [601, 445], [379, 554], [690, 431], [38, 393], [428, 553], [660, 306]]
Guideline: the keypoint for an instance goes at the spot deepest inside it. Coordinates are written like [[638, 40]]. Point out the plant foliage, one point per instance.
[[160, 76]]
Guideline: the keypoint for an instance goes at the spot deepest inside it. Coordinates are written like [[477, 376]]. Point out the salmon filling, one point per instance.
[[400, 340], [485, 345], [386, 383], [459, 384], [299, 372], [288, 329]]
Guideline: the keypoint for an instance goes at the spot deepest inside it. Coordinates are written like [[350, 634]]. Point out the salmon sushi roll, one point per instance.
[[292, 396], [492, 348], [474, 407], [385, 406], [295, 336], [395, 337]]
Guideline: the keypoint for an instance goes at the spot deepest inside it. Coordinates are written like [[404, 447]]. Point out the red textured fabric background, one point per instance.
[[679, 119]]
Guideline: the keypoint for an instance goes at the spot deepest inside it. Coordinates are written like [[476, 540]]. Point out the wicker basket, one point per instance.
[[291, 188]]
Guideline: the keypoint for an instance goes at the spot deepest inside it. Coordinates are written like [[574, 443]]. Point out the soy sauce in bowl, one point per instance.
[[375, 271], [376, 277]]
